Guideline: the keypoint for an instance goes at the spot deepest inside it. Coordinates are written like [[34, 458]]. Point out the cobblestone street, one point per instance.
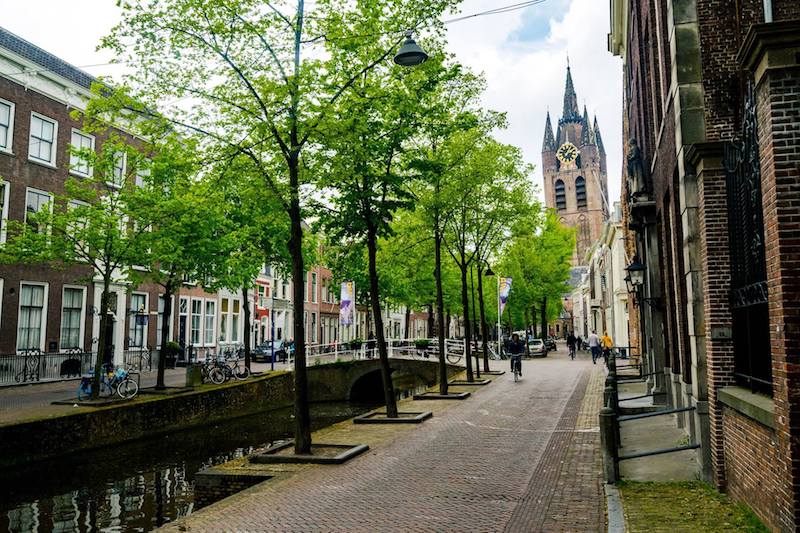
[[513, 457]]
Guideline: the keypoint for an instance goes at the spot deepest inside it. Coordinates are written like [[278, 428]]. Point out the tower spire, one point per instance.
[[597, 137], [549, 143], [586, 129], [570, 99]]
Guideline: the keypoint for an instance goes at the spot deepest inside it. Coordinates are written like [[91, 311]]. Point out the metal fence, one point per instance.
[[32, 366], [138, 359]]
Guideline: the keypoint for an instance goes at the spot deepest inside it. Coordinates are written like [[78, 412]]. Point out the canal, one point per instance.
[[144, 484]]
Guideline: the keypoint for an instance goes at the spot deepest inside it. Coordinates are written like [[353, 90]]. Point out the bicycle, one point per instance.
[[517, 360], [572, 352], [112, 381], [210, 371]]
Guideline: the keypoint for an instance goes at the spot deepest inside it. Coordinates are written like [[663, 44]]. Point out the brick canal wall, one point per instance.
[[151, 415]]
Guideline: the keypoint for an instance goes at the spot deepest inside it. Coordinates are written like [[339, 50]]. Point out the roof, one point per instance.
[[44, 59]]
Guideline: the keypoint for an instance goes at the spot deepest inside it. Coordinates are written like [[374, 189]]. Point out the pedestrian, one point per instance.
[[594, 346], [607, 344], [579, 343]]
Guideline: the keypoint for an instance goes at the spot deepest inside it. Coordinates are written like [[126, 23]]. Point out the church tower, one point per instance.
[[574, 168]]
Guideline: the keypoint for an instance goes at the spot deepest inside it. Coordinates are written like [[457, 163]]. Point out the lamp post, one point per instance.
[[410, 54]]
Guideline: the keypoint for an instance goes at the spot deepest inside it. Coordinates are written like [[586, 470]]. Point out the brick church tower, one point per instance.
[[574, 168]]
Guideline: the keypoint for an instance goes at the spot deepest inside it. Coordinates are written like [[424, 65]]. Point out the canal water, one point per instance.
[[142, 485]]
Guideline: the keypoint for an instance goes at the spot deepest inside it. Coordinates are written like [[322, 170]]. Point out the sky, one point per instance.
[[523, 55]]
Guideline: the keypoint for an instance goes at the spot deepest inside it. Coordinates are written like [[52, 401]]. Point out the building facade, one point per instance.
[[712, 94], [574, 169]]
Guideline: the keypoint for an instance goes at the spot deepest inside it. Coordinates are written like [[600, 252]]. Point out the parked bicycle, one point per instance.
[[112, 382], [210, 371]]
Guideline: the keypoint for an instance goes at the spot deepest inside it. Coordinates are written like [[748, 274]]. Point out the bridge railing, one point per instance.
[[355, 351]]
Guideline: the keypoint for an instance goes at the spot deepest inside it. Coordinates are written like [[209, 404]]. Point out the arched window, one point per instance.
[[561, 196], [580, 192]]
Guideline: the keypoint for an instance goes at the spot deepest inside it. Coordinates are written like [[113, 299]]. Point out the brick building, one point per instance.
[[712, 192], [54, 310]]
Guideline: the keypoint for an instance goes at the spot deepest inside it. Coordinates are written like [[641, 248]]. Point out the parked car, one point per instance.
[[550, 343], [263, 352], [537, 348]]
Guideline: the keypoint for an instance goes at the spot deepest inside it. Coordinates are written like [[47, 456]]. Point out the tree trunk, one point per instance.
[[102, 339], [465, 306], [386, 371], [431, 321], [474, 328], [408, 323], [437, 238], [165, 322], [544, 318], [246, 333], [533, 322], [302, 418], [484, 327]]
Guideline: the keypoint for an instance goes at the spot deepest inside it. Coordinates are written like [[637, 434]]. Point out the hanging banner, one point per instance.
[[347, 306], [505, 289]]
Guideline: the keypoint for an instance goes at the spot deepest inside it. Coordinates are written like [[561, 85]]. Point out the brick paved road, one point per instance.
[[514, 457]]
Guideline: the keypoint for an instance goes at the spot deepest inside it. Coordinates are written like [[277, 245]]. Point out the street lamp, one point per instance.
[[410, 54], [635, 273]]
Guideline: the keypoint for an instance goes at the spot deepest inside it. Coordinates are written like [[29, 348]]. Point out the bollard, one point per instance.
[[608, 444], [607, 394]]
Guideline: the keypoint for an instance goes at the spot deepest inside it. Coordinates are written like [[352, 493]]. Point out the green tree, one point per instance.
[[262, 79], [89, 225]]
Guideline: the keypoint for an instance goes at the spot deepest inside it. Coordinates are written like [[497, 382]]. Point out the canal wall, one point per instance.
[[151, 415]]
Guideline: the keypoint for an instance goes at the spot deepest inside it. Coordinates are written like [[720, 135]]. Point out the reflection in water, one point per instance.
[[141, 485]]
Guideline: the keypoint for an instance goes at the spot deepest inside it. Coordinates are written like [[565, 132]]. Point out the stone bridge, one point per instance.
[[360, 381]]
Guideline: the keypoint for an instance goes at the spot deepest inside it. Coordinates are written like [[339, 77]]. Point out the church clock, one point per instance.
[[567, 152]]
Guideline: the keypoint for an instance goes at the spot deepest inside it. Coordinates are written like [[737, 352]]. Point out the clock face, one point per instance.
[[567, 152]]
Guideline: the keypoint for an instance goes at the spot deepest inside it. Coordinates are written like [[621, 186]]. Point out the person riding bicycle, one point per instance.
[[516, 348], [571, 340], [607, 345]]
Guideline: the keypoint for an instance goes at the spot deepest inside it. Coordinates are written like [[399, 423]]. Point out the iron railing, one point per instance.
[[33, 366]]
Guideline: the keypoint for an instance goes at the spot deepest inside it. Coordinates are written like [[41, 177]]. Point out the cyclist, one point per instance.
[[571, 340], [516, 348], [607, 345]]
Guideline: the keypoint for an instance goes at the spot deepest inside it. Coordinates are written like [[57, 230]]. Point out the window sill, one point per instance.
[[79, 174], [41, 163], [756, 406], [7, 152]]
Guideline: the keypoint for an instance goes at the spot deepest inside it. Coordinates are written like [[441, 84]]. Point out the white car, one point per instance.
[[537, 348]]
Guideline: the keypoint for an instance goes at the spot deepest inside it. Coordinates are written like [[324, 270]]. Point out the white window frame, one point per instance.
[[191, 322], [234, 329], [82, 327], [206, 316], [313, 327], [77, 160], [37, 191], [132, 319], [314, 283], [4, 209], [9, 147], [53, 149], [142, 171], [224, 326], [121, 177], [43, 328]]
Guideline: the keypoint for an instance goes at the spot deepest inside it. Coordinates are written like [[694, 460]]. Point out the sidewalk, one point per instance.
[[512, 457]]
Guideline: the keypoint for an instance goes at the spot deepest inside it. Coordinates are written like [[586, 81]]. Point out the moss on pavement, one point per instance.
[[684, 507]]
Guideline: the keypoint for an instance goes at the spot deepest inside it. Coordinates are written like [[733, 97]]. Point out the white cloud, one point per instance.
[[524, 77]]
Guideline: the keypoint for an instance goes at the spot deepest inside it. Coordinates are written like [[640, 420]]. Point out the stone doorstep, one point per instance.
[[403, 418], [271, 455], [475, 383], [437, 396]]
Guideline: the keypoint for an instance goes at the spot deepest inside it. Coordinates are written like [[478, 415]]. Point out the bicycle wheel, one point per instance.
[[217, 376], [127, 389], [453, 358], [241, 372]]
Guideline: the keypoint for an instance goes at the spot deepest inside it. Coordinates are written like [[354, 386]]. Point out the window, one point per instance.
[[137, 324], [4, 188], [561, 196], [34, 202], [6, 125], [197, 316], [42, 145], [313, 327], [159, 328], [211, 317], [30, 328], [71, 317], [1, 300], [580, 192], [118, 172], [314, 287], [223, 319], [305, 286], [235, 321], [80, 164], [142, 172], [262, 300]]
